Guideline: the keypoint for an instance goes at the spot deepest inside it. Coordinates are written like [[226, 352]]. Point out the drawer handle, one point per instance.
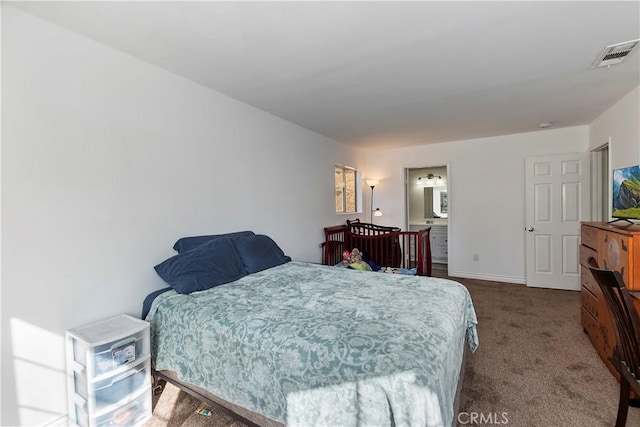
[[123, 343], [123, 376]]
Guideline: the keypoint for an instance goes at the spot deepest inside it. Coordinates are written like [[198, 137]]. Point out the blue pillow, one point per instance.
[[187, 243], [213, 263], [259, 252]]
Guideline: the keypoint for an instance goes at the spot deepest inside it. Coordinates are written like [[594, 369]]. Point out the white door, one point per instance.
[[557, 199]]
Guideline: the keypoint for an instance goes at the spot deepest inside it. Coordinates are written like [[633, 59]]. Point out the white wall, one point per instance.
[[621, 123], [486, 184], [106, 161]]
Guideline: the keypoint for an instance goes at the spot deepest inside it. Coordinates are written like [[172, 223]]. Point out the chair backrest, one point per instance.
[[623, 314]]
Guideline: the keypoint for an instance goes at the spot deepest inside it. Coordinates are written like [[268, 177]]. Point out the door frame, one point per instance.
[[405, 210], [597, 183]]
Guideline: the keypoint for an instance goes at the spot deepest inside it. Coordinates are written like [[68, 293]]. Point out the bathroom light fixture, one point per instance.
[[377, 212], [431, 180]]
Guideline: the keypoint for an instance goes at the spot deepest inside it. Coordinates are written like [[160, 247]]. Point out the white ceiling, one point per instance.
[[382, 74]]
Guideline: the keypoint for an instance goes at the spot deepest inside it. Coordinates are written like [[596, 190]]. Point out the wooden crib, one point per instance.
[[385, 246]]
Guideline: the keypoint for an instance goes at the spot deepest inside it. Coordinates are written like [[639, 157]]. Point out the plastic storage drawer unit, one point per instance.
[[109, 372], [132, 413]]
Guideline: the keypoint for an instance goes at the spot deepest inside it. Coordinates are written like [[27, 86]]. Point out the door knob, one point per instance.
[[530, 229]]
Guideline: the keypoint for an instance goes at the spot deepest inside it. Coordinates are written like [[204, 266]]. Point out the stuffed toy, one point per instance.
[[354, 260]]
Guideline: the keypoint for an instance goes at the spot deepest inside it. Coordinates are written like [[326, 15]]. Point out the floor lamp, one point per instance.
[[377, 212]]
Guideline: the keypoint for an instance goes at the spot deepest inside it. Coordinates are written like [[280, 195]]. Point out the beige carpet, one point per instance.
[[534, 367]]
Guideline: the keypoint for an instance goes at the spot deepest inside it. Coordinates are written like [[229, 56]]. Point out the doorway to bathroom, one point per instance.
[[427, 205]]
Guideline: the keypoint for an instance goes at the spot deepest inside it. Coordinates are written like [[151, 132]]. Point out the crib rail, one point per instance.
[[333, 244], [386, 246], [423, 243]]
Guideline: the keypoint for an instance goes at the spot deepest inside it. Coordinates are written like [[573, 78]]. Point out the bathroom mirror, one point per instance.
[[428, 202], [436, 203]]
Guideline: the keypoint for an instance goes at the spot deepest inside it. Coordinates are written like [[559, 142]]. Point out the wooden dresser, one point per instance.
[[615, 248]]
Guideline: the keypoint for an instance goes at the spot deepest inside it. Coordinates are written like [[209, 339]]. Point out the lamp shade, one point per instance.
[[372, 182], [377, 212]]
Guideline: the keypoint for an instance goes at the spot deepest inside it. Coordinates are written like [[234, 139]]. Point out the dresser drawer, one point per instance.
[[585, 253], [590, 303], [589, 236], [595, 333], [587, 280], [590, 325]]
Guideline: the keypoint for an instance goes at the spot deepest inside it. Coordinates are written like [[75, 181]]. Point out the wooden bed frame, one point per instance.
[[385, 246]]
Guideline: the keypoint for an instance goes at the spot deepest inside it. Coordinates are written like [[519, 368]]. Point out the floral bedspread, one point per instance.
[[305, 344]]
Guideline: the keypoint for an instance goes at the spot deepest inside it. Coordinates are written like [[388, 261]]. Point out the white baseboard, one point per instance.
[[490, 277]]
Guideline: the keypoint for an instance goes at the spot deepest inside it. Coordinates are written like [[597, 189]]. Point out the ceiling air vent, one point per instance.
[[615, 53]]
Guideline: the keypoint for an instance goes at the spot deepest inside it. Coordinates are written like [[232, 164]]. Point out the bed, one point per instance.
[[385, 246], [307, 344]]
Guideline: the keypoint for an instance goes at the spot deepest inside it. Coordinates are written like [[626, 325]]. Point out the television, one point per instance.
[[626, 193]]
